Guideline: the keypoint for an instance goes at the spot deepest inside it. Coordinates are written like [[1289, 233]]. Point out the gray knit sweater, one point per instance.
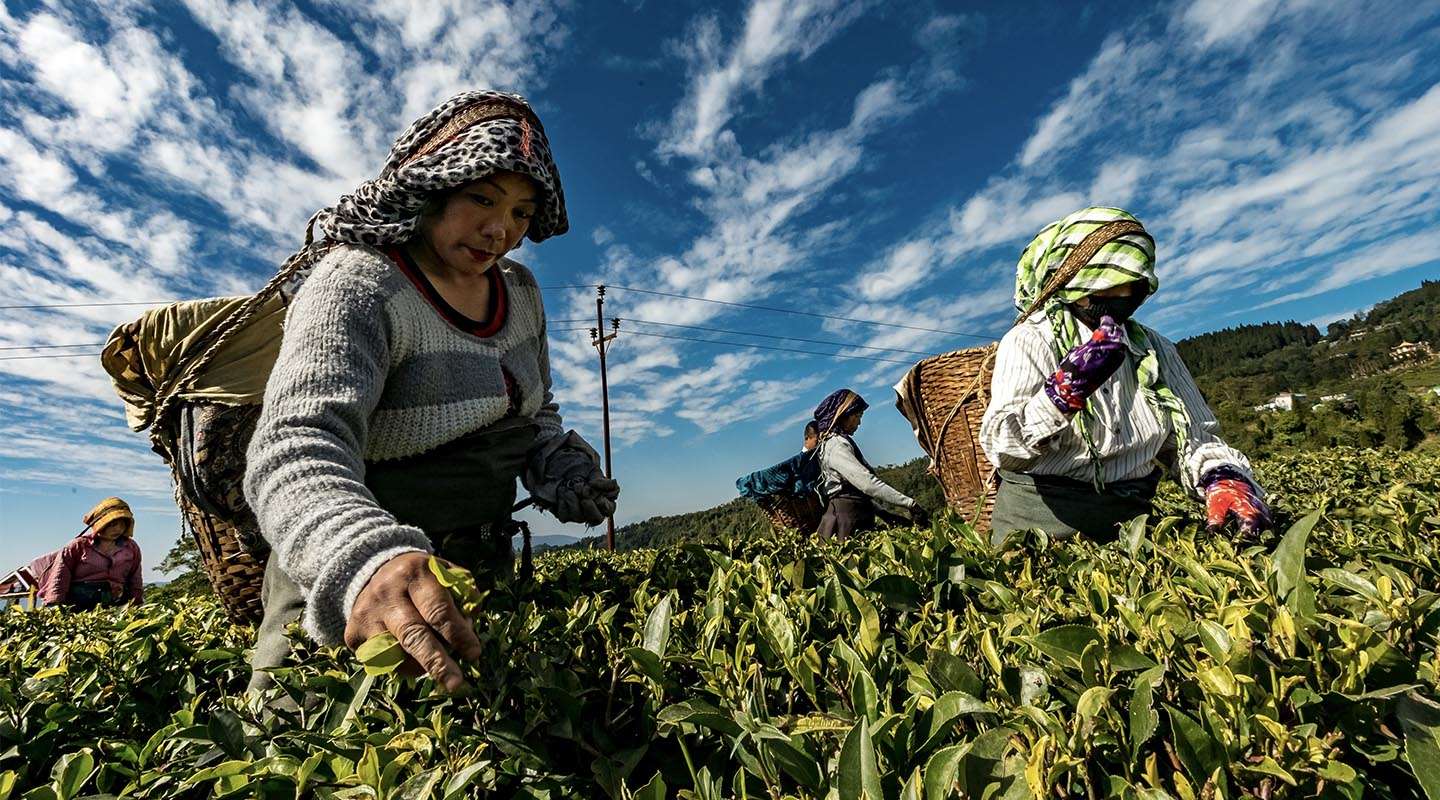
[[368, 370]]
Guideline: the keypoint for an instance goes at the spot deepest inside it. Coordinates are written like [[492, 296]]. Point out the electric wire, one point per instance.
[[775, 336], [766, 347]]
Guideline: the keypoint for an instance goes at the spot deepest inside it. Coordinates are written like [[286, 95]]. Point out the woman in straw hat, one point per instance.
[[1087, 404], [412, 389], [101, 566], [848, 482]]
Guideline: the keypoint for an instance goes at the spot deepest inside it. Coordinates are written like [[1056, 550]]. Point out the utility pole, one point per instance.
[[602, 343]]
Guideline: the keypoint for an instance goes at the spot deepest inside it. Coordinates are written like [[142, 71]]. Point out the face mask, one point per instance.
[[1119, 309]]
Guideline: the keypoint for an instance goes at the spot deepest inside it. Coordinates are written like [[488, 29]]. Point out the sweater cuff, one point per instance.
[[327, 609], [1042, 420]]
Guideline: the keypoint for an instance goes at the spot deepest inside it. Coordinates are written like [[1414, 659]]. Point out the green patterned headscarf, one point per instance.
[[1126, 259]]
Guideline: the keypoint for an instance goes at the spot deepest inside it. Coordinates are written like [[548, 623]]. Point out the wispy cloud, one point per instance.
[[127, 173], [1253, 187], [751, 199]]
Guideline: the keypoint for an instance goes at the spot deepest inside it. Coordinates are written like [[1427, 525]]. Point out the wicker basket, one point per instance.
[[950, 395], [945, 396], [800, 512], [235, 573]]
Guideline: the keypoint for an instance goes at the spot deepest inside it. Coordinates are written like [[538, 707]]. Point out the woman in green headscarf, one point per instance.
[[1087, 405]]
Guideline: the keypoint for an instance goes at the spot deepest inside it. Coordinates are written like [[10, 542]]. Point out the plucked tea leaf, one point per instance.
[[381, 654]]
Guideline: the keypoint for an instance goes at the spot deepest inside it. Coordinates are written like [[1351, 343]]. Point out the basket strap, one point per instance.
[[1079, 257], [237, 320]]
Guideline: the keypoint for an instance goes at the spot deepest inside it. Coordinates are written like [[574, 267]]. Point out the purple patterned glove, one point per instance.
[[1087, 367]]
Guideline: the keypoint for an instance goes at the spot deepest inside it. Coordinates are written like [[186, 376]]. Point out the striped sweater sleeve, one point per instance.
[[305, 476]]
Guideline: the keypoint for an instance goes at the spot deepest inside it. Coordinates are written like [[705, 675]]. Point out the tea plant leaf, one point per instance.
[[698, 712], [657, 627], [652, 790], [381, 654], [1215, 639], [947, 708], [899, 592], [1125, 658], [779, 632], [227, 731], [1197, 749], [952, 673], [1288, 567], [647, 663], [797, 762], [1420, 719], [463, 783], [1065, 643], [72, 772], [859, 777], [1143, 717], [1132, 534], [941, 771], [1348, 580]]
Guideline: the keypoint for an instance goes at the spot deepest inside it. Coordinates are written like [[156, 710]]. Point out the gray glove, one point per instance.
[[565, 478]]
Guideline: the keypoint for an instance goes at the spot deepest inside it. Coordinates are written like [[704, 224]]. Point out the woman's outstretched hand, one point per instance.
[[1087, 367], [404, 599], [1228, 493]]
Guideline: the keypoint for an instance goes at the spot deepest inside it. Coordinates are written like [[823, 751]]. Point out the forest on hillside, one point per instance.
[[1382, 401]]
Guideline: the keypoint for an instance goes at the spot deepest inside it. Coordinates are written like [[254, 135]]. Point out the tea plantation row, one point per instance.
[[909, 664]]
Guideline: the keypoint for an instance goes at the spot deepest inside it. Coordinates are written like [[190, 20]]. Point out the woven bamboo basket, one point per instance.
[[954, 390], [949, 393], [801, 512], [235, 574]]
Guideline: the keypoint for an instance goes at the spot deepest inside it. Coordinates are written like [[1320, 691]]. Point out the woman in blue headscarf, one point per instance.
[[848, 482]]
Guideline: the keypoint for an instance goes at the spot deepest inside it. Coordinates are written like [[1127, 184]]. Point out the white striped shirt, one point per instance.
[[1023, 431]]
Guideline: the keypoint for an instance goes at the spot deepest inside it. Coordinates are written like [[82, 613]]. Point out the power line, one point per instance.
[[51, 346], [805, 313], [782, 338], [51, 355], [98, 304], [765, 347], [93, 305]]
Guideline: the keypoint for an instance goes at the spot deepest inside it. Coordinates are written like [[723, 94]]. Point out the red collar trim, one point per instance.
[[499, 305]]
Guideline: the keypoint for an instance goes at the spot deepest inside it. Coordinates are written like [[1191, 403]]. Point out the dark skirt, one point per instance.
[[849, 514], [1063, 507]]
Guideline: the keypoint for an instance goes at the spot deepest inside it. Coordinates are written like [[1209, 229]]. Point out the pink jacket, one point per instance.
[[81, 560]]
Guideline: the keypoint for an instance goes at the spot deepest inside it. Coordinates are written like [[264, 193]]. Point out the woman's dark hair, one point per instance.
[[435, 202], [812, 428]]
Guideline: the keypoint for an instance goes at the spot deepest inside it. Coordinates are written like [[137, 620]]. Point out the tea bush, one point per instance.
[[906, 664]]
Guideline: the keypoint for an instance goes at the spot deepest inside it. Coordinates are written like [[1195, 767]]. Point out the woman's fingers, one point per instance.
[[438, 608], [420, 643]]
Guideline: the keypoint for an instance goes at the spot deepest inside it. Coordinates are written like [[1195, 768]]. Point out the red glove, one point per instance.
[[1228, 492]]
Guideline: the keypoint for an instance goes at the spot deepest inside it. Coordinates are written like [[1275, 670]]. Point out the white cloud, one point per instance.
[[1259, 174], [774, 32]]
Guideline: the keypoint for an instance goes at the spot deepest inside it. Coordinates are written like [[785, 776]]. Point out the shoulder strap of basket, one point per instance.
[[1078, 258], [222, 333]]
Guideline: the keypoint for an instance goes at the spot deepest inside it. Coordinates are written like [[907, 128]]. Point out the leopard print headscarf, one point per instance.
[[469, 136]]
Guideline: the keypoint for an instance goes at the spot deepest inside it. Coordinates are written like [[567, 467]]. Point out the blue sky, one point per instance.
[[876, 161]]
